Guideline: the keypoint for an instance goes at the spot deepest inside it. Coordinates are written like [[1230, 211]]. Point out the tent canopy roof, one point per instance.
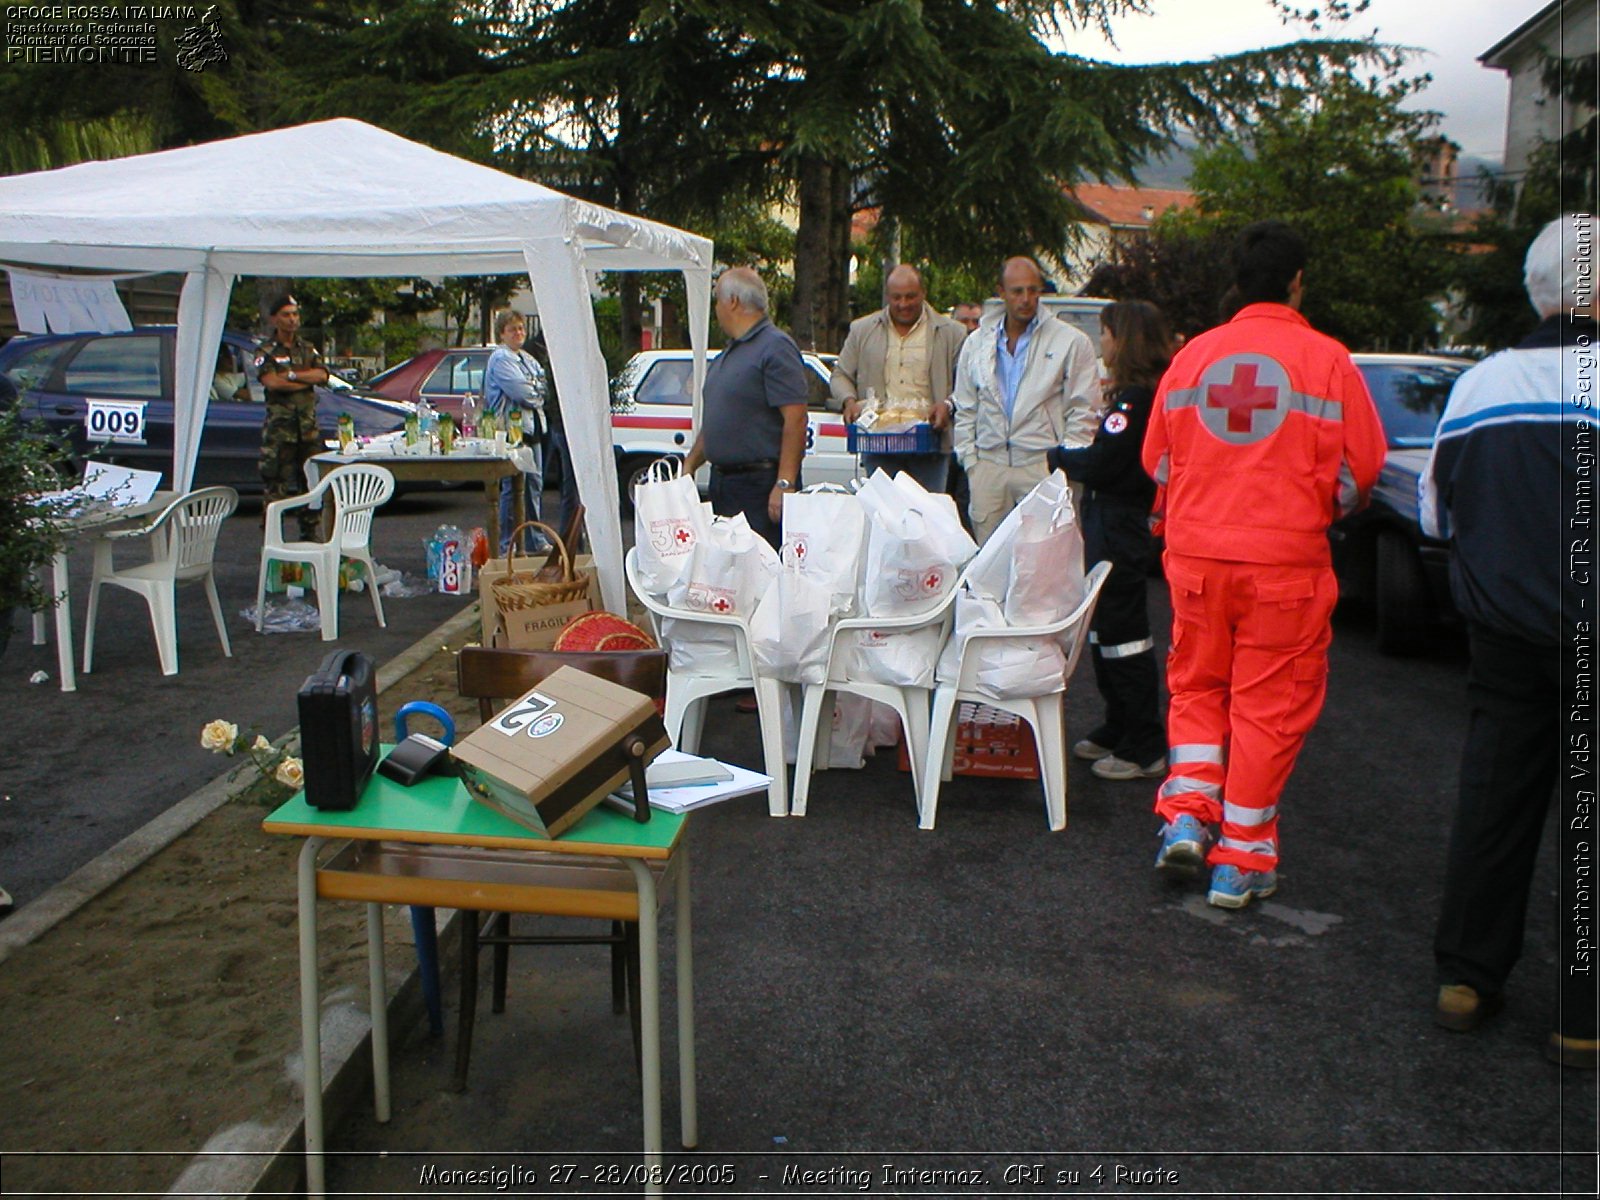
[[336, 197]]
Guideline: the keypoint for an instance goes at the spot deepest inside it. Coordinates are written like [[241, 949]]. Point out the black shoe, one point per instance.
[[1578, 1053], [1461, 1009]]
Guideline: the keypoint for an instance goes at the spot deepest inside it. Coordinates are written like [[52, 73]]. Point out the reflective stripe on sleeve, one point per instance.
[[1127, 649]]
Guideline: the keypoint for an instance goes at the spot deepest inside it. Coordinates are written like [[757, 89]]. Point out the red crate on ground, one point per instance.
[[990, 744]]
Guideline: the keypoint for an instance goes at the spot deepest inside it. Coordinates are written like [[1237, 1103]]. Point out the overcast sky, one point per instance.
[[1471, 97]]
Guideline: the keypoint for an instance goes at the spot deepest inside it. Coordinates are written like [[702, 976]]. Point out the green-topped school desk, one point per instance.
[[431, 844]]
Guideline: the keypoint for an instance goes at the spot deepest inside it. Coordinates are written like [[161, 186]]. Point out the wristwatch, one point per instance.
[[785, 485], [292, 378]]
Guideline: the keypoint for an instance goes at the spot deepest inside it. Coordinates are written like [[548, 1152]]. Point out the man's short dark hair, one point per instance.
[[281, 303], [1266, 258]]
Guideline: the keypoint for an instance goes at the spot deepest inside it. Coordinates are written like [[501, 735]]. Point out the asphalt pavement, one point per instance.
[[993, 1009], [1036, 1009], [83, 769]]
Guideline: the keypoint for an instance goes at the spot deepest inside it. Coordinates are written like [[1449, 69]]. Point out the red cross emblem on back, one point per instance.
[[1241, 396]]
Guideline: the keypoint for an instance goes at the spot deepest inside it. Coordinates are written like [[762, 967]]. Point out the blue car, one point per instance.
[[1380, 554], [110, 394]]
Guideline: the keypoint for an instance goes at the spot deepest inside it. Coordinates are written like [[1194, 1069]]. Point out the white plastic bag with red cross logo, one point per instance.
[[915, 548], [789, 631], [1046, 557], [825, 529], [669, 521], [729, 571]]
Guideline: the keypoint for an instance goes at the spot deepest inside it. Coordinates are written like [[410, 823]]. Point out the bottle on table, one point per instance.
[[469, 417], [447, 433], [347, 432]]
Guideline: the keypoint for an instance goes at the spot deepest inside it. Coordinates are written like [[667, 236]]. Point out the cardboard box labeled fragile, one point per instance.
[[528, 628], [554, 753]]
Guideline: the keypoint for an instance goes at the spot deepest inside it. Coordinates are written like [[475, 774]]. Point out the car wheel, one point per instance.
[[1404, 608], [631, 474]]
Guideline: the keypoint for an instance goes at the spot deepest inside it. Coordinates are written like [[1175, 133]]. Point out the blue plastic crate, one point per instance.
[[919, 439]]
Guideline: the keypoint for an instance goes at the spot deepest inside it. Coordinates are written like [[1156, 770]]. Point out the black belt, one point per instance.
[[746, 468]]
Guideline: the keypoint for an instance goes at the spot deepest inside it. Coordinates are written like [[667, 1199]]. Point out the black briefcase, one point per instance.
[[339, 729]]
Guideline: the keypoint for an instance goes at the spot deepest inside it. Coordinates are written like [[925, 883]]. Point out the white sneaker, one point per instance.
[[1090, 751], [1112, 767]]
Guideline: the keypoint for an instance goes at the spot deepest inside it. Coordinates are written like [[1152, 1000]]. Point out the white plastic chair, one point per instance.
[[358, 489], [910, 703], [1042, 713], [687, 693], [183, 543]]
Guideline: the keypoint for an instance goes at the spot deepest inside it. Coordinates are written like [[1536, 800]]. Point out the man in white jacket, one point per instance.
[[1025, 383]]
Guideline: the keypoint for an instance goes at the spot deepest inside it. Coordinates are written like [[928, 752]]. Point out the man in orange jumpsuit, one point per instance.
[[1263, 433]]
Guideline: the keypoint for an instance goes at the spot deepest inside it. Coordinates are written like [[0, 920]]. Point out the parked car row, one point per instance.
[[111, 396]]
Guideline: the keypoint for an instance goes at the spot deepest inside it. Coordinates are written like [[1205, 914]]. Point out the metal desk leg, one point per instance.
[[311, 1016], [379, 1003], [687, 1103], [649, 1021], [58, 584]]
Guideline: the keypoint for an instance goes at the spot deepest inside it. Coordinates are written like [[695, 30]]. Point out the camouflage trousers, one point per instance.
[[288, 438]]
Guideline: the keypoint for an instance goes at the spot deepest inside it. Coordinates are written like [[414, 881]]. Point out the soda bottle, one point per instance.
[[347, 432], [413, 428], [447, 433], [469, 417]]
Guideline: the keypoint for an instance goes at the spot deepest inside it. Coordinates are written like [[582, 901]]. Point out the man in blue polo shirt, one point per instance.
[[753, 426]]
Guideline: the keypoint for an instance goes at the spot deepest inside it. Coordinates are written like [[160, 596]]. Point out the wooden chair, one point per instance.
[[492, 676]]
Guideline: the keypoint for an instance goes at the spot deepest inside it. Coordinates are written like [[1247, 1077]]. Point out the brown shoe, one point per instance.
[[1580, 1053], [1461, 1009]]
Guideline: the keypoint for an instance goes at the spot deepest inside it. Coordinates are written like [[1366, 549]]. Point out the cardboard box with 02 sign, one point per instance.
[[557, 751]]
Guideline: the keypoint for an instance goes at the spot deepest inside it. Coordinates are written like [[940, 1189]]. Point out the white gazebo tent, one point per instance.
[[342, 198]]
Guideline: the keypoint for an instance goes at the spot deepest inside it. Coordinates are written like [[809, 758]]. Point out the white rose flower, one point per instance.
[[260, 743], [291, 772], [219, 736]]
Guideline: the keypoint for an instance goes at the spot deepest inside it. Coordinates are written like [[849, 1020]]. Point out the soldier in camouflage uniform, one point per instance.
[[289, 369]]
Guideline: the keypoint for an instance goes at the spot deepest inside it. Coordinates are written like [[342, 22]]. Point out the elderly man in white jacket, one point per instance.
[[1025, 382]]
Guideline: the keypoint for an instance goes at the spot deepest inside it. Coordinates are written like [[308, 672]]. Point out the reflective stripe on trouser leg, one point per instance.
[[1280, 676], [1197, 678]]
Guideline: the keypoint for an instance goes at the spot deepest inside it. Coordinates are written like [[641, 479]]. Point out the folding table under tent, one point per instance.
[[383, 206]]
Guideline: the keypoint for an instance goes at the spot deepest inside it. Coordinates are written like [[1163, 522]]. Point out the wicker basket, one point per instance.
[[555, 583]]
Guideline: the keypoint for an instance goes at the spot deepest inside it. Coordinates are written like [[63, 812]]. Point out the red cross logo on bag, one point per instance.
[[1243, 398], [683, 535], [933, 581], [721, 604]]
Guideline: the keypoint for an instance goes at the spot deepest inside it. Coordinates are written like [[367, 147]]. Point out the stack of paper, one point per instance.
[[679, 782]]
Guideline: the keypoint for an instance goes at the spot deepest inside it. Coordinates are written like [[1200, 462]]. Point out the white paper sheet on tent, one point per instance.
[[53, 304]]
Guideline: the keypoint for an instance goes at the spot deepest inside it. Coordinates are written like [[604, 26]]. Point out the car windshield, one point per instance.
[[1410, 397]]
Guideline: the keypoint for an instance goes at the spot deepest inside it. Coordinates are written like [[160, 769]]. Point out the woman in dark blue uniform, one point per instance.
[[1131, 743]]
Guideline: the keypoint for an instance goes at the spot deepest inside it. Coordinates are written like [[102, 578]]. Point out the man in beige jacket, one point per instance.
[[1025, 383], [907, 352]]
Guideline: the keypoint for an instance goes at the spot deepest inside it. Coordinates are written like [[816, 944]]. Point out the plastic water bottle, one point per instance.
[[469, 417]]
